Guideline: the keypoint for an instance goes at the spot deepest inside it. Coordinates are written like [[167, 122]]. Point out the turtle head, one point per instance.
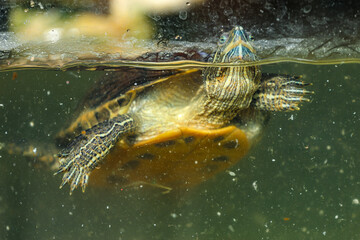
[[231, 88], [235, 46]]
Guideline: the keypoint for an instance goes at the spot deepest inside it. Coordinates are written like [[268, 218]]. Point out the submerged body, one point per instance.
[[176, 128], [177, 144]]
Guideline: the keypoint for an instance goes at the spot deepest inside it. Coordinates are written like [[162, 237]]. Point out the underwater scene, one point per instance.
[[300, 180], [124, 88]]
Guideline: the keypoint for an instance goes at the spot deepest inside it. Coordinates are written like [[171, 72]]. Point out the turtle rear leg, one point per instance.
[[89, 149], [280, 93]]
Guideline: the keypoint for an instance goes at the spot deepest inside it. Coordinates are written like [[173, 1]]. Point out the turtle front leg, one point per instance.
[[280, 93], [89, 149]]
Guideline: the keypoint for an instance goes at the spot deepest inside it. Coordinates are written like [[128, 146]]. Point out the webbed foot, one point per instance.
[[88, 150], [75, 162], [74, 173], [281, 93]]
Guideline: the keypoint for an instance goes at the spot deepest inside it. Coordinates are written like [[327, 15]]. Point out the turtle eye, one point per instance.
[[223, 39]]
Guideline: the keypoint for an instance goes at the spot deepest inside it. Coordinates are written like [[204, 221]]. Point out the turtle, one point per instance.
[[174, 128]]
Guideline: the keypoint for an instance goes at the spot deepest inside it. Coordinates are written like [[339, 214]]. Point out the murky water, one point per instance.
[[301, 181]]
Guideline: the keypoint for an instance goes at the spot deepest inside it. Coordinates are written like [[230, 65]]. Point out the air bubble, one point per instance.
[[228, 11], [307, 9], [255, 186], [155, 17], [183, 15]]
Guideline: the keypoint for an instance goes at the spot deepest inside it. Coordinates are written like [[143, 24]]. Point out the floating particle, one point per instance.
[[255, 186], [14, 76], [183, 15]]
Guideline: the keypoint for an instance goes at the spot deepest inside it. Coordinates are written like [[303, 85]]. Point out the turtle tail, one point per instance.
[[38, 155]]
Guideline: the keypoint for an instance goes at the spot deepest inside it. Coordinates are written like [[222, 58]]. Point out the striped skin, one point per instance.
[[87, 150], [280, 93], [230, 89]]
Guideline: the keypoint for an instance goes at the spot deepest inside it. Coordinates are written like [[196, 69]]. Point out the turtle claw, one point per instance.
[[80, 180], [75, 174], [89, 149], [281, 93], [76, 164]]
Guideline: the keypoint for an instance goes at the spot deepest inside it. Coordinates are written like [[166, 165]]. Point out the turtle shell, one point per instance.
[[105, 99]]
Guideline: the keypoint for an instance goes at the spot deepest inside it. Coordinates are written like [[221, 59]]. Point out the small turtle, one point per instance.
[[174, 128]]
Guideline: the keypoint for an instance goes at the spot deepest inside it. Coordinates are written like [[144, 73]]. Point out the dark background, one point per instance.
[[271, 18]]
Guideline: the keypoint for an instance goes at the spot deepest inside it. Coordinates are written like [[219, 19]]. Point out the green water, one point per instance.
[[301, 181]]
